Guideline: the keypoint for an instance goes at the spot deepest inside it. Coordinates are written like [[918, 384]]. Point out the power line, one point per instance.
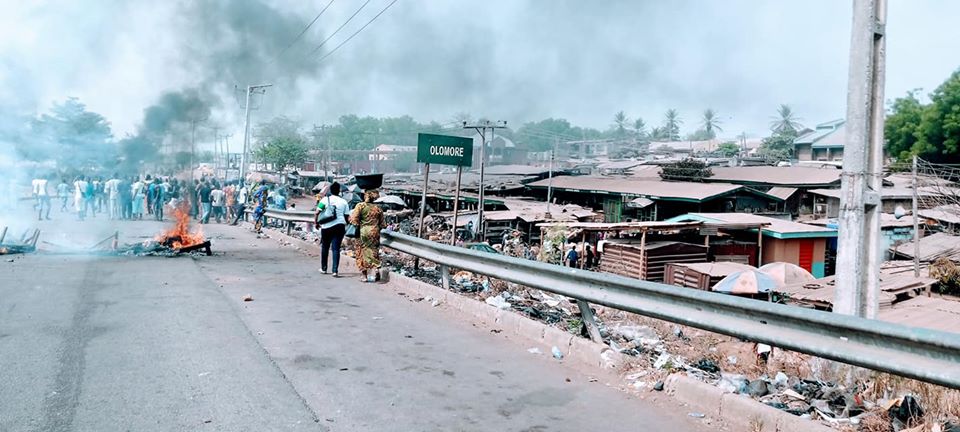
[[339, 28], [358, 31], [305, 29]]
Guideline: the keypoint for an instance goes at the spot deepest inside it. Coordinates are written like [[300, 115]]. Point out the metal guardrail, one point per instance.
[[922, 354], [288, 216]]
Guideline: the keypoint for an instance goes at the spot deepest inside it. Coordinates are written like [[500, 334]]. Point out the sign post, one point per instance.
[[442, 150]]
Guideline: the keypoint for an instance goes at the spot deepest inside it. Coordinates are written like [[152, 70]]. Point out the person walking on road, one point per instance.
[[217, 201], [139, 198], [331, 218], [260, 201], [240, 210], [42, 195], [206, 206], [63, 192], [79, 188], [368, 217], [159, 196]]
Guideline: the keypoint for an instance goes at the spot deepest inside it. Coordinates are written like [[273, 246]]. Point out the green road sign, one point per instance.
[[444, 150]]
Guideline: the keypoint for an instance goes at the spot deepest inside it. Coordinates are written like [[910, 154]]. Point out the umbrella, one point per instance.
[[391, 199], [746, 282], [786, 273], [321, 187]]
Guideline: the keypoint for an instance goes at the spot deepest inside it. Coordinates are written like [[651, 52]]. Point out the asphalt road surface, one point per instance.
[[129, 343]]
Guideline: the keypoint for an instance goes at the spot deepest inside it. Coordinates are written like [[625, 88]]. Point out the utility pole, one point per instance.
[[325, 158], [553, 155], [858, 254], [482, 129], [261, 88], [193, 143], [916, 223]]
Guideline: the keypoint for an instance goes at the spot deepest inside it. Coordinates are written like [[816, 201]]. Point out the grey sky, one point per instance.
[[502, 59]]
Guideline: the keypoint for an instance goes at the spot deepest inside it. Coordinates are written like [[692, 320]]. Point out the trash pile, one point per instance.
[[837, 395]]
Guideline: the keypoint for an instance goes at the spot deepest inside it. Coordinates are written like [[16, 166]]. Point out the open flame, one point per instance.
[[180, 236]]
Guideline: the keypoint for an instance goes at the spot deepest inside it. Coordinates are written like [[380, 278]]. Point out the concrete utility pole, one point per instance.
[[481, 129], [261, 88], [325, 149], [553, 155], [916, 222], [858, 254]]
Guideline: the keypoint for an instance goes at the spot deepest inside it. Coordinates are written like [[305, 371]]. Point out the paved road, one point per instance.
[[96, 343]]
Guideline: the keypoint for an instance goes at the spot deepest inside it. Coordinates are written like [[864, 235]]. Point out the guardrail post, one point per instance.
[[586, 315], [445, 276]]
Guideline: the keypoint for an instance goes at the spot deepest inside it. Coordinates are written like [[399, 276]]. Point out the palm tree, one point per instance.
[[786, 121], [620, 120], [640, 128], [671, 125], [711, 124]]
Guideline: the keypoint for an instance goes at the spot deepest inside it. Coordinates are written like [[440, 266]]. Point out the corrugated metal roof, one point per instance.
[[778, 228], [654, 189], [717, 269], [618, 165], [932, 247], [829, 134], [927, 312], [782, 192], [782, 176], [946, 213], [886, 193], [523, 170]]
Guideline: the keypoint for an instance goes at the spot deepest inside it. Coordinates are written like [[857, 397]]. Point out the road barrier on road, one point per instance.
[[926, 355], [288, 216]]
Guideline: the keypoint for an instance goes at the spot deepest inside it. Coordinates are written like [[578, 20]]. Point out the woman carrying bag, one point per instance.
[[330, 217], [368, 218]]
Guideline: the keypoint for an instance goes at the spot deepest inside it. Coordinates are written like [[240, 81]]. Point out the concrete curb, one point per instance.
[[737, 411], [734, 410]]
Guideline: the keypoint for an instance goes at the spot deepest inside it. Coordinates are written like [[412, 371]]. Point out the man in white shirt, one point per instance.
[[63, 192], [80, 196], [331, 218], [241, 205], [43, 197], [113, 196]]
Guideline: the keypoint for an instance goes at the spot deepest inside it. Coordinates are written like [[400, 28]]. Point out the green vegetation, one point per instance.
[[930, 131]]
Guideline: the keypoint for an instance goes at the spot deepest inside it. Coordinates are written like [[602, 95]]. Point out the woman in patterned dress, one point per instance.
[[368, 217]]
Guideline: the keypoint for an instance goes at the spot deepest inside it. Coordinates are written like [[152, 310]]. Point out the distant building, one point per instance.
[[825, 143], [386, 152]]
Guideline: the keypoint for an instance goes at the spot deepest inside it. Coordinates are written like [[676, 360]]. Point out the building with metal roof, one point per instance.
[[785, 241], [771, 176], [618, 196], [825, 143]]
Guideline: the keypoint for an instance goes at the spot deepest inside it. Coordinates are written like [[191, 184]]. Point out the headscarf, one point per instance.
[[371, 195]]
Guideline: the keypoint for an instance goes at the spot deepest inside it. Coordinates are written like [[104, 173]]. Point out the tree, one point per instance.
[[902, 128], [686, 170], [930, 131], [640, 130], [710, 123], [671, 125], [620, 122], [282, 152], [786, 121], [728, 149], [74, 137], [778, 146]]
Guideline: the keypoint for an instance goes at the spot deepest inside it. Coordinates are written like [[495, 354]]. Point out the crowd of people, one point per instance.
[[134, 197]]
